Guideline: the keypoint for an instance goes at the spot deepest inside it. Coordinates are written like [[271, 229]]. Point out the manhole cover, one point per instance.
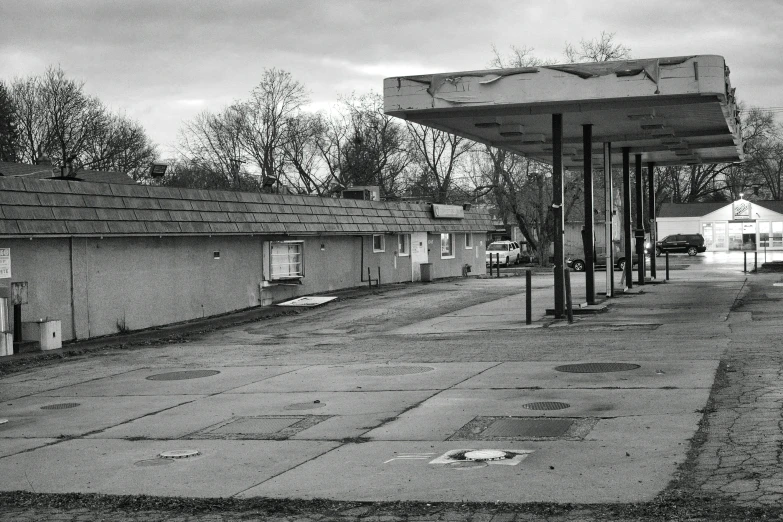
[[305, 406], [546, 406], [61, 406], [528, 428], [180, 376], [180, 454], [596, 367], [387, 371], [153, 462], [484, 455]]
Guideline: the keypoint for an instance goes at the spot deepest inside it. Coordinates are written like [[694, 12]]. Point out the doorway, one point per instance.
[[418, 254]]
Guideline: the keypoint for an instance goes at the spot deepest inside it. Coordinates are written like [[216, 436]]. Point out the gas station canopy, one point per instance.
[[672, 111]]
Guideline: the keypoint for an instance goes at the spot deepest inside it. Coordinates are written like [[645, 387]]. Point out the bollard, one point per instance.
[[755, 261], [569, 307], [745, 265], [369, 277], [378, 284], [667, 266], [528, 297], [497, 264]]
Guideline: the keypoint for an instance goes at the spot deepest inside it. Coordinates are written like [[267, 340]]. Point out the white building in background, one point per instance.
[[739, 225]]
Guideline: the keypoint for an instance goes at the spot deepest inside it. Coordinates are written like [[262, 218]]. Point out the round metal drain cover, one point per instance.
[[546, 405], [152, 462], [597, 367], [181, 376], [180, 454], [61, 406], [485, 455], [387, 371], [305, 406]]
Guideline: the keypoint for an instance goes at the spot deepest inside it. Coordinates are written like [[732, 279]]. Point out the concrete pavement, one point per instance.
[[357, 400]]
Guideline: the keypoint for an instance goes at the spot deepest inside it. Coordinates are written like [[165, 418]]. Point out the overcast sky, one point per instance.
[[164, 61]]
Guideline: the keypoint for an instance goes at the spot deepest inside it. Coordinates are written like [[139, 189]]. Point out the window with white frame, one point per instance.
[[468, 240], [286, 260], [777, 234], [378, 243], [446, 246], [404, 245], [764, 234]]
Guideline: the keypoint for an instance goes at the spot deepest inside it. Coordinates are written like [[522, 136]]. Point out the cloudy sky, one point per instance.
[[162, 61]]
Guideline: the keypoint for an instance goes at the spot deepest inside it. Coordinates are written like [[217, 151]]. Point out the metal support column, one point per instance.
[[651, 213], [609, 216], [628, 251], [557, 210], [639, 232], [589, 237]]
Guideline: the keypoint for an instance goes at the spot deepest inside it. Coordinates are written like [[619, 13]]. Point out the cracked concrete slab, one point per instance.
[[651, 374], [366, 377], [351, 413], [137, 382], [132, 468], [443, 415], [10, 446], [560, 471], [26, 418]]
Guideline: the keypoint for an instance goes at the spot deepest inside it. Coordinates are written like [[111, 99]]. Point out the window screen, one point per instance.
[[286, 260]]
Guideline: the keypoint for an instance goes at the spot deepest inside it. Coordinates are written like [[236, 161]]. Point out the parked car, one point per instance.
[[509, 252], [691, 244], [578, 265]]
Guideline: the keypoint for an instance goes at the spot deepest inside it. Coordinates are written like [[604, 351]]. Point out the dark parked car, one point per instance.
[[578, 265], [690, 244]]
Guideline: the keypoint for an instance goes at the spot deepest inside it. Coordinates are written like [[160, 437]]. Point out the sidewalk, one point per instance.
[[353, 402]]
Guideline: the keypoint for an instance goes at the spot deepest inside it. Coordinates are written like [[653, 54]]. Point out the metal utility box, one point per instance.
[[46, 332], [427, 272]]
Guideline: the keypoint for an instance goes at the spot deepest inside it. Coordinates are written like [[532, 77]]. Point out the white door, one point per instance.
[[418, 254]]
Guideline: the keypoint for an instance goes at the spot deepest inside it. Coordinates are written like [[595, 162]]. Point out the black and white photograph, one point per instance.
[[391, 260]]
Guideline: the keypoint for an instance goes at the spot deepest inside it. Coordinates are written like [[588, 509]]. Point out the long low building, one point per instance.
[[103, 258], [738, 225]]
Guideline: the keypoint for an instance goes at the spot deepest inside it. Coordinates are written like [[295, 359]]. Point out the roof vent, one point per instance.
[[368, 193]]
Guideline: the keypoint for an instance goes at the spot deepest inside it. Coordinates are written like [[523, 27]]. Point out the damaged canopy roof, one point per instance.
[[672, 111]]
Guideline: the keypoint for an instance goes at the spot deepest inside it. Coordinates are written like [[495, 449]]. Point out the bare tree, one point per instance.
[[360, 145], [437, 156], [9, 134], [33, 128], [121, 145], [274, 103], [57, 119], [74, 119], [517, 57], [302, 155], [601, 49], [214, 142]]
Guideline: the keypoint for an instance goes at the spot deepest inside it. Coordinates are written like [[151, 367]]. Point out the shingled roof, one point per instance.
[[32, 207], [676, 210], [45, 172]]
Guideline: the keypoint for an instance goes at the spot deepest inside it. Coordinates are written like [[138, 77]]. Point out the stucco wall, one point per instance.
[[448, 267], [144, 282], [97, 286], [45, 265], [337, 266]]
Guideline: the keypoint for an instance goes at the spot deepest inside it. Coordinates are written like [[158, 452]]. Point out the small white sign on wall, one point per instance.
[[5, 263]]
